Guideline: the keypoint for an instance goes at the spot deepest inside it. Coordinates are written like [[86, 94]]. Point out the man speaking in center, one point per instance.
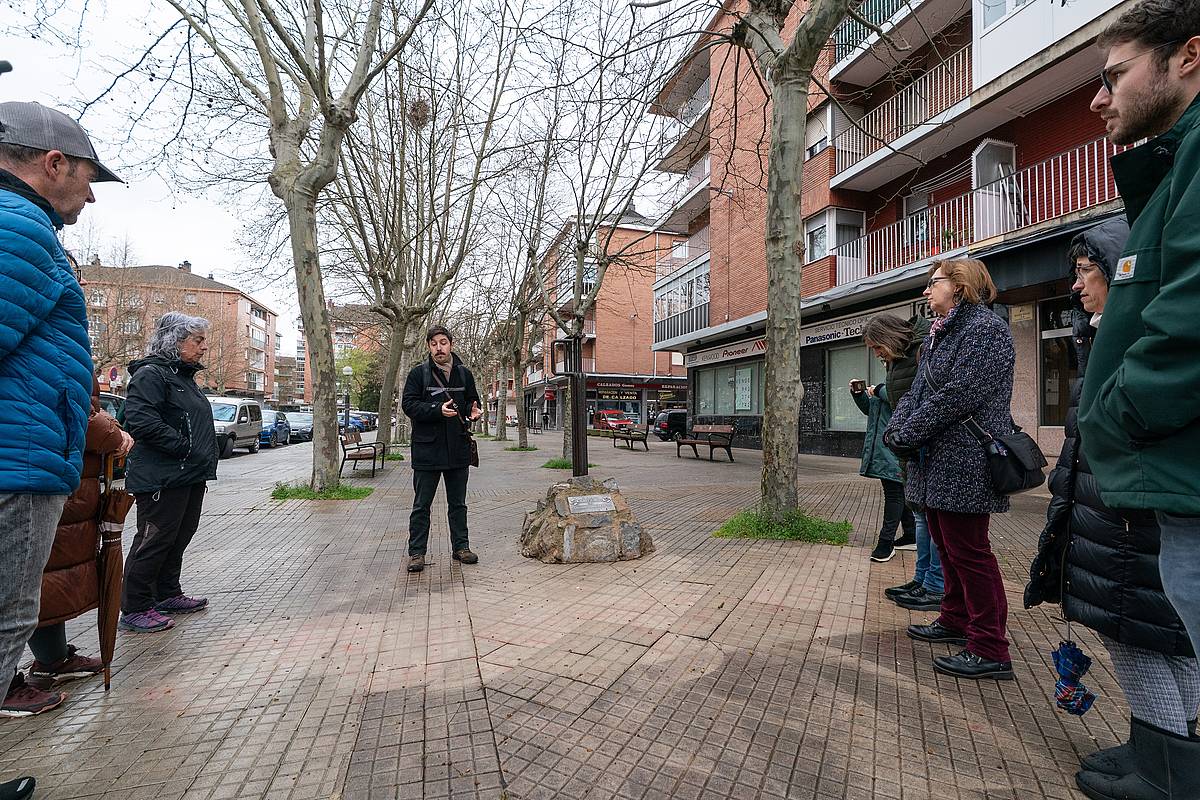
[[441, 400]]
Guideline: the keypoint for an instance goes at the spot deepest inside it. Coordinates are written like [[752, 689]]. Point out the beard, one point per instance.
[[1149, 114]]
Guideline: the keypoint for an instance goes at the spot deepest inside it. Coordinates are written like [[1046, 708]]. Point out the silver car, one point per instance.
[[238, 423]]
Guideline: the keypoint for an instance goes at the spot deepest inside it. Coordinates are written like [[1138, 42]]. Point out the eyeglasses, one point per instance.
[[1108, 80], [932, 281], [1081, 273]]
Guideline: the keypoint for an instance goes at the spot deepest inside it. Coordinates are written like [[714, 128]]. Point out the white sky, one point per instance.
[[163, 226]]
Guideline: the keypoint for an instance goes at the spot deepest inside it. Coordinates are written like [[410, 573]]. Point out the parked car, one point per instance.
[[369, 419], [301, 425], [511, 421], [609, 420], [276, 429], [238, 422], [113, 405], [670, 425]]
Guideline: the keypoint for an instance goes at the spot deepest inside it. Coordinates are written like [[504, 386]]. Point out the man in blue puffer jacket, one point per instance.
[[47, 166]]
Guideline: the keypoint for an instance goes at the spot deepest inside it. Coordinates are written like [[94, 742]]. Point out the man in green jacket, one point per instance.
[[1140, 408]]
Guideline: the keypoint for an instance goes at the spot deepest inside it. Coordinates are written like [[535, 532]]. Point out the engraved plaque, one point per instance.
[[591, 503]]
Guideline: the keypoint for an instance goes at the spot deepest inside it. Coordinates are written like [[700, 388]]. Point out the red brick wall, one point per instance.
[[818, 276]]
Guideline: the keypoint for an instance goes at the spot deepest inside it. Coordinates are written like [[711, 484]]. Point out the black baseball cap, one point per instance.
[[41, 128]]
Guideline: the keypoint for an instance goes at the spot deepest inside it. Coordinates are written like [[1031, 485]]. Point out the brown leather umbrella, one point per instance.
[[110, 566]]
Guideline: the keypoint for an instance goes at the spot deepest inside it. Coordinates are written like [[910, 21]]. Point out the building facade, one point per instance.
[[124, 303], [624, 372], [976, 141]]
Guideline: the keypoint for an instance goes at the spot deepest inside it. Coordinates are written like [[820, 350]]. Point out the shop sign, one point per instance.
[[729, 352], [551, 394], [615, 394], [611, 384], [852, 327]]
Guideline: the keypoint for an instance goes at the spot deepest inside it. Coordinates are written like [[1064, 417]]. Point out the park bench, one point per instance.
[[354, 450], [716, 437], [631, 435]]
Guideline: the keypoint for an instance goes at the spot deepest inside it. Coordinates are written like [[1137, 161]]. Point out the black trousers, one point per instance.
[[895, 511], [425, 483], [166, 522]]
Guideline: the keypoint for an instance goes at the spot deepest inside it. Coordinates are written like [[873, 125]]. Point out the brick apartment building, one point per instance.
[[624, 372], [125, 302], [286, 392], [977, 141], [355, 327]]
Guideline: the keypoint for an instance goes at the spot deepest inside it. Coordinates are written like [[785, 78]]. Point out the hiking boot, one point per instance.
[[968, 665], [920, 600], [883, 551], [907, 541], [904, 588], [73, 667], [25, 700], [416, 563], [181, 604], [936, 633], [20, 789], [148, 621], [466, 557]]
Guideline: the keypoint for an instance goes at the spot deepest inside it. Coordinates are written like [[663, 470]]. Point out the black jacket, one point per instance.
[[438, 442], [1101, 563], [903, 371], [171, 423]]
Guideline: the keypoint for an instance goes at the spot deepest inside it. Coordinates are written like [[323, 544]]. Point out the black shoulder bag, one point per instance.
[[471, 443], [1015, 461]]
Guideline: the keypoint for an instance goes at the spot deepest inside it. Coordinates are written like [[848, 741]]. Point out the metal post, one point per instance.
[[346, 417], [579, 459]]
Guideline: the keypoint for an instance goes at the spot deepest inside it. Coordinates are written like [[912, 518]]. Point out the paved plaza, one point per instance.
[[710, 669]]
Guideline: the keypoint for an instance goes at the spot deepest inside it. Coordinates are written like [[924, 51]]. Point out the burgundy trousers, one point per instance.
[[974, 603]]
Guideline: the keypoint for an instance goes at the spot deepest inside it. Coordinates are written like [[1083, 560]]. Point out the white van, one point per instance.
[[238, 422]]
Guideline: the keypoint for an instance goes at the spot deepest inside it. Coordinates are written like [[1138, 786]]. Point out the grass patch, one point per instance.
[[520, 449], [561, 463], [395, 456], [290, 491], [487, 436], [795, 526]]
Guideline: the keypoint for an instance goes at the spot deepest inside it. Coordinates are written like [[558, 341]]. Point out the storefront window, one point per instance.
[[1059, 366], [845, 364], [731, 390]]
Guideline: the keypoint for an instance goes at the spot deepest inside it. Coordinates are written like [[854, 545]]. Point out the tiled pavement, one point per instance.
[[711, 669]]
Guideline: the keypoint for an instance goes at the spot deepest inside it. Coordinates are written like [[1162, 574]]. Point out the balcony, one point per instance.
[[861, 57], [689, 200], [1062, 185], [681, 324], [589, 365], [533, 376], [683, 255], [917, 110], [687, 137]]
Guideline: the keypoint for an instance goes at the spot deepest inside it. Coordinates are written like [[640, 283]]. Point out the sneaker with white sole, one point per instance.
[[26, 700], [71, 668], [883, 551]]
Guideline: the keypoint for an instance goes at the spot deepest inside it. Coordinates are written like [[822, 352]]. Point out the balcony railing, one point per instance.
[[681, 324], [931, 94], [589, 365], [1063, 184], [851, 33], [680, 259]]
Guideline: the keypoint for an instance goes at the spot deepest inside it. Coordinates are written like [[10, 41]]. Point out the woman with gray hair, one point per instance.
[[174, 454]]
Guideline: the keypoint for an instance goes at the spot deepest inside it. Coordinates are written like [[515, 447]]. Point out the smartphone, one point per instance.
[[857, 386]]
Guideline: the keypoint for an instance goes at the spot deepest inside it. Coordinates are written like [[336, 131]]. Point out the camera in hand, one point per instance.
[[858, 386]]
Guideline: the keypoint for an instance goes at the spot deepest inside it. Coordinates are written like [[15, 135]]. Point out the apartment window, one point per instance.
[[844, 364], [1059, 367], [816, 131], [258, 312], [159, 298], [190, 298], [816, 240], [130, 326], [96, 327], [98, 297], [916, 218], [129, 298], [995, 10]]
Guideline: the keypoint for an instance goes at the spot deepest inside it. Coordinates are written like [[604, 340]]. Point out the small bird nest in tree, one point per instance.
[[418, 114]]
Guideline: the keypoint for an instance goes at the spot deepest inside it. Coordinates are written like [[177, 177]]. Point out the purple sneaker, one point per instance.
[[182, 604], [149, 621]]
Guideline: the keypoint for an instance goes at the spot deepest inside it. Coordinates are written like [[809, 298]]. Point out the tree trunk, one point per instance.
[[302, 224], [502, 401], [522, 411], [785, 257], [391, 377]]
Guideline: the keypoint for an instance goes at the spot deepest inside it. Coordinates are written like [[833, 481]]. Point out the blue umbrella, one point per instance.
[[1072, 664]]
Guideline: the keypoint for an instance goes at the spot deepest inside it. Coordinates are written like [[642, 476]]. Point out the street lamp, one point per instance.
[[347, 371]]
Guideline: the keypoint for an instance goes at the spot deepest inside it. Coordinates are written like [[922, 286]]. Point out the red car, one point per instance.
[[611, 421]]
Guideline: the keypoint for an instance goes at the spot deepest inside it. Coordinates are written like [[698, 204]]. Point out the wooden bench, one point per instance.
[[354, 450], [716, 437], [631, 435]]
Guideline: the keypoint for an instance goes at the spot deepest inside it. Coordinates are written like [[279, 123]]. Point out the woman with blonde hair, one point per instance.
[[966, 374]]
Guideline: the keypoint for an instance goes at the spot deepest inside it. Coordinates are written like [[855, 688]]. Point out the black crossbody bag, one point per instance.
[[1015, 462], [471, 443]]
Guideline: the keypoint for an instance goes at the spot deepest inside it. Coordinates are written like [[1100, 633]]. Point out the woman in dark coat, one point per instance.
[[174, 455], [1107, 578], [966, 372]]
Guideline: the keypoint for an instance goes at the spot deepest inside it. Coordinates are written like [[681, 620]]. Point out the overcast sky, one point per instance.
[[164, 226]]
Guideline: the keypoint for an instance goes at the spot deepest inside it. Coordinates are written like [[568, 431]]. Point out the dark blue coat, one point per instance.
[[972, 361], [45, 356], [439, 443]]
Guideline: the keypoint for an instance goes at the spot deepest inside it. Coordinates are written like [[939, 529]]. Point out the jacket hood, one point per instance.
[[11, 183], [1105, 243], [175, 364]]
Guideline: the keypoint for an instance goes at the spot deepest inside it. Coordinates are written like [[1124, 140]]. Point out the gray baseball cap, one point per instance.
[[34, 125]]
